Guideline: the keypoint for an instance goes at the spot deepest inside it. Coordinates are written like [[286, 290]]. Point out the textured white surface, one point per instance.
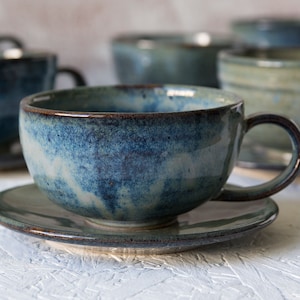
[[261, 266]]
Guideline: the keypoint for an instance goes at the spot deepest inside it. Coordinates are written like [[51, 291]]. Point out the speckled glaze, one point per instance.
[[28, 73], [267, 80], [176, 59], [139, 155], [268, 32]]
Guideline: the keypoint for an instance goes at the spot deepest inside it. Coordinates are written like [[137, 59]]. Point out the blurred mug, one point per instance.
[[267, 80], [187, 58], [23, 73], [268, 32]]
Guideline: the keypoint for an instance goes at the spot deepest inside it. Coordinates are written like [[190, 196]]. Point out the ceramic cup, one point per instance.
[[23, 73], [139, 156], [267, 80], [177, 59], [268, 32]]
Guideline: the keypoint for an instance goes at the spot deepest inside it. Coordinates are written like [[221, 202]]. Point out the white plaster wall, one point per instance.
[[79, 31]]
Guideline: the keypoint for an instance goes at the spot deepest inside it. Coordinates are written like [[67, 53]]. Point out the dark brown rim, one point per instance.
[[162, 40], [26, 106]]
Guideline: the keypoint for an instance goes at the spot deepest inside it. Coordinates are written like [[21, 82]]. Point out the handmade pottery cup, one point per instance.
[[268, 32], [168, 58], [23, 73], [139, 156], [267, 80]]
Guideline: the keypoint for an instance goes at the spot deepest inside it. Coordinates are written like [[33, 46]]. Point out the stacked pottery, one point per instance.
[[23, 72], [266, 75]]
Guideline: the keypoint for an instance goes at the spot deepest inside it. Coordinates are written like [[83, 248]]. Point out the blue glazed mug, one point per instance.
[[186, 58], [23, 73], [138, 156], [268, 32]]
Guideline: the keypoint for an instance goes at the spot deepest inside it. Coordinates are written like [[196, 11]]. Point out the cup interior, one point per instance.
[[130, 99], [271, 57]]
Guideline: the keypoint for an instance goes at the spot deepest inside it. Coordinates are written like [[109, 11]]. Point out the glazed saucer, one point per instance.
[[11, 157], [257, 157], [25, 209]]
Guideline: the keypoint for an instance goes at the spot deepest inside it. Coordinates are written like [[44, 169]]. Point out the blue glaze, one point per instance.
[[140, 154], [29, 73], [19, 78], [131, 166], [176, 59]]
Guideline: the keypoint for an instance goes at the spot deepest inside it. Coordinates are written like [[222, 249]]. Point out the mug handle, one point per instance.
[[13, 40], [76, 75], [284, 178]]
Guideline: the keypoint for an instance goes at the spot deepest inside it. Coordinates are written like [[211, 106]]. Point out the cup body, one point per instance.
[[131, 154], [175, 59], [21, 74], [268, 32], [267, 80]]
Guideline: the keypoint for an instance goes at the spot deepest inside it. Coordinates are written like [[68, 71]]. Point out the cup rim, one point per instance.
[[238, 56], [266, 23], [17, 54], [163, 40], [26, 103]]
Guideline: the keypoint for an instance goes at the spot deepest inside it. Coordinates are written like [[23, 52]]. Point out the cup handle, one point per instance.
[[284, 178], [76, 75], [13, 40]]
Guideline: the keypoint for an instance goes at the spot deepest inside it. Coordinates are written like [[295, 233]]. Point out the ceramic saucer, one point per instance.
[[11, 157], [256, 157], [25, 209]]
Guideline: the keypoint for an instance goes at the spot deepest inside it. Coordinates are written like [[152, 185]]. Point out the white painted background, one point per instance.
[[80, 30]]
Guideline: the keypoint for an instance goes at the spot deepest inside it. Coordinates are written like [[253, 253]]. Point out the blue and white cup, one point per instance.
[[138, 156]]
